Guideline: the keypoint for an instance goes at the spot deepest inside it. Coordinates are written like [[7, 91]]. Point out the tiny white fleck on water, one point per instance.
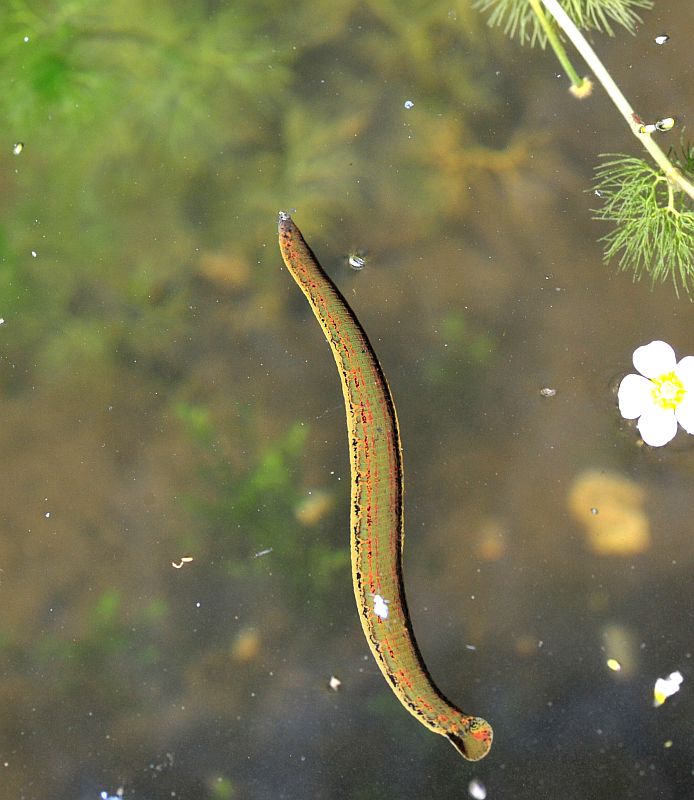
[[666, 687], [476, 789], [665, 124]]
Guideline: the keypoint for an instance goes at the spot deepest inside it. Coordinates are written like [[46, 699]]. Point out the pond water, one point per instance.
[[177, 610]]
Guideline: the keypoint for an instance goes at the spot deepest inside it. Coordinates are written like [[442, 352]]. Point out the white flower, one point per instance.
[[661, 396]]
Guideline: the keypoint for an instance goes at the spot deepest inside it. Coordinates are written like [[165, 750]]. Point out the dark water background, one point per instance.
[[166, 393]]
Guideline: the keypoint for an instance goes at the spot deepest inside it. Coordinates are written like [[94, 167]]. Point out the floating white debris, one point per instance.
[[408, 104], [356, 261], [665, 124], [666, 687], [117, 796], [613, 664], [380, 607], [34, 253], [184, 560], [662, 38], [476, 789], [662, 125], [262, 553], [17, 148], [334, 683], [547, 392]]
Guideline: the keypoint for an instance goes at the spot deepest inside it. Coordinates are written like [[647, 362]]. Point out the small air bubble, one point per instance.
[[662, 38], [666, 124], [594, 511], [409, 104], [356, 261], [26, 39], [476, 789], [17, 148]]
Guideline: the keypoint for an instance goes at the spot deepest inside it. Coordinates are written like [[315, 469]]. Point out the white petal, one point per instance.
[[684, 413], [657, 426], [634, 396], [685, 372], [654, 359]]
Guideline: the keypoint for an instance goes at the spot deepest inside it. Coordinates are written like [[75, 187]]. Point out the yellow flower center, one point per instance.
[[667, 391]]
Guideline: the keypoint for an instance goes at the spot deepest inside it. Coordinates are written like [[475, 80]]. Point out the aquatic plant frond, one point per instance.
[[518, 19], [654, 224], [684, 157]]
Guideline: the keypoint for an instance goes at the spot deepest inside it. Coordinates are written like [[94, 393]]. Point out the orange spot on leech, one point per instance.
[[402, 677]]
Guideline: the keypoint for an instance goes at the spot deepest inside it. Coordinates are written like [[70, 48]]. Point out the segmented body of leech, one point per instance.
[[376, 516]]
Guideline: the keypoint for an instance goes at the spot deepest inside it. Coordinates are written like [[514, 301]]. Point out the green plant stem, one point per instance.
[[556, 44], [634, 122]]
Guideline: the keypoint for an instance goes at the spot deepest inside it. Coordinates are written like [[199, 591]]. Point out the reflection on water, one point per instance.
[[167, 396]]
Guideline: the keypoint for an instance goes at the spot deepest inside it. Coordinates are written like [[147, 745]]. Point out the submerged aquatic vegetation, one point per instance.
[[519, 19], [166, 133], [257, 512], [652, 208], [654, 224]]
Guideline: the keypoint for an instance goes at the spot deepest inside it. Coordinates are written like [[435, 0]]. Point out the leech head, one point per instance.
[[475, 741]]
